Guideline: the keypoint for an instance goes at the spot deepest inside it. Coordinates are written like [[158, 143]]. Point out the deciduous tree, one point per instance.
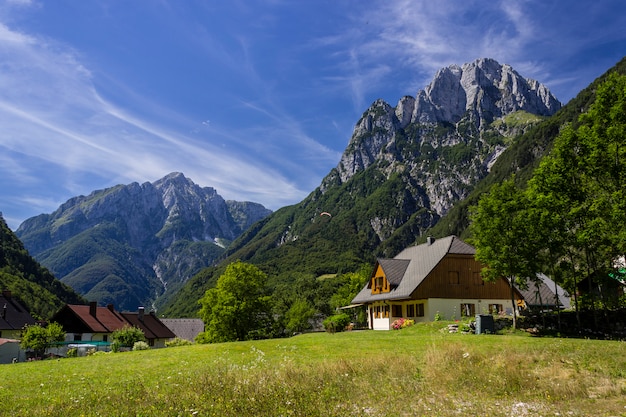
[[39, 338], [238, 308], [499, 227]]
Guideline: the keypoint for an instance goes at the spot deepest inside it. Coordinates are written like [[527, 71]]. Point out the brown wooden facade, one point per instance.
[[458, 276]]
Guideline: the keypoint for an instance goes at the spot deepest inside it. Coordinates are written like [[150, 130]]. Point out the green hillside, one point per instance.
[[39, 291]]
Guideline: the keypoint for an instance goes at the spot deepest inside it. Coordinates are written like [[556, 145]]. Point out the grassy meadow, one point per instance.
[[417, 371]]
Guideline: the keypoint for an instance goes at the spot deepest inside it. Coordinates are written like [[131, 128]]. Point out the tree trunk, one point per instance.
[[557, 302], [511, 282]]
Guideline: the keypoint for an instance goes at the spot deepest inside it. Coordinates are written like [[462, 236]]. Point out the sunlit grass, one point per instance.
[[416, 371]]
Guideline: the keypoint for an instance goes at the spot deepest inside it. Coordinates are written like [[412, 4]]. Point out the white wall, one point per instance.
[[448, 309]]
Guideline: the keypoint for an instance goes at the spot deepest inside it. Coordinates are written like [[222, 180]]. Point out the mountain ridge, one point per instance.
[[124, 244]]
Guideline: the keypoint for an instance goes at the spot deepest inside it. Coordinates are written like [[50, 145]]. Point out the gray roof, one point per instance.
[[13, 315], [409, 268], [394, 269], [543, 289], [185, 328]]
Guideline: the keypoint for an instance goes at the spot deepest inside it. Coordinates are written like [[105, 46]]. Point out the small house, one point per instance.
[[13, 316], [437, 279]]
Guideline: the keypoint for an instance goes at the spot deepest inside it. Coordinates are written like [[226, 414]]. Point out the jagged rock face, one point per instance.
[[161, 228], [444, 138]]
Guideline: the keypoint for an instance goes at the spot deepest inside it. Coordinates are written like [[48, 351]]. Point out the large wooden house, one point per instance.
[[440, 278]]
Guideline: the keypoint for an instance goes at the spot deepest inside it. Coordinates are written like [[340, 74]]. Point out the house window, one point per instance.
[[78, 337], [477, 279], [415, 310], [467, 310], [419, 310], [378, 283], [105, 338], [396, 310], [495, 308], [453, 277]]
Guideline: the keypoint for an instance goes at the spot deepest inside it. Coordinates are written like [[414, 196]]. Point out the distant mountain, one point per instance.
[[37, 289], [135, 245], [405, 167]]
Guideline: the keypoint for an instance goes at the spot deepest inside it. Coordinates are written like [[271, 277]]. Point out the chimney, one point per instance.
[[141, 309], [93, 307], [430, 240]]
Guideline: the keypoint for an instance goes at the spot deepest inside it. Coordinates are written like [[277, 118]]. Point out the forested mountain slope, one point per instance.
[[38, 290]]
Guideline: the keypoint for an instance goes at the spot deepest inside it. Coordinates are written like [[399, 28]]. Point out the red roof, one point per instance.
[[95, 319], [152, 327]]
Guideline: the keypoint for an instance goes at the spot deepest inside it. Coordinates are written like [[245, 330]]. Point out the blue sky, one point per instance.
[[256, 99]]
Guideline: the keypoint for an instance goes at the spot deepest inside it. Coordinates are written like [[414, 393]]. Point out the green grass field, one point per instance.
[[417, 371]]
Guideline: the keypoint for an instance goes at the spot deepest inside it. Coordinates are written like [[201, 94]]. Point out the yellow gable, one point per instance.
[[379, 283]]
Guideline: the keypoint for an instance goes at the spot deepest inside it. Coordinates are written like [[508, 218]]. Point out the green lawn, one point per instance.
[[416, 371]]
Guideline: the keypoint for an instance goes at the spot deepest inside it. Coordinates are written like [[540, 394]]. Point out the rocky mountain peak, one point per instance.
[[485, 88], [444, 138], [478, 92]]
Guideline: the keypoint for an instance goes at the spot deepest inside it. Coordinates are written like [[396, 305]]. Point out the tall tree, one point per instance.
[[581, 183], [500, 233], [238, 307]]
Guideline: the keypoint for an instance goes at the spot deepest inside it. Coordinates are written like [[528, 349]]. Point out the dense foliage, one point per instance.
[[570, 222], [33, 285], [237, 308], [127, 337], [38, 337]]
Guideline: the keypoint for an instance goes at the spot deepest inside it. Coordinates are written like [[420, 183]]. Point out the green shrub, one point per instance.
[[72, 353], [141, 346], [177, 341], [336, 323], [115, 346], [126, 337]]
